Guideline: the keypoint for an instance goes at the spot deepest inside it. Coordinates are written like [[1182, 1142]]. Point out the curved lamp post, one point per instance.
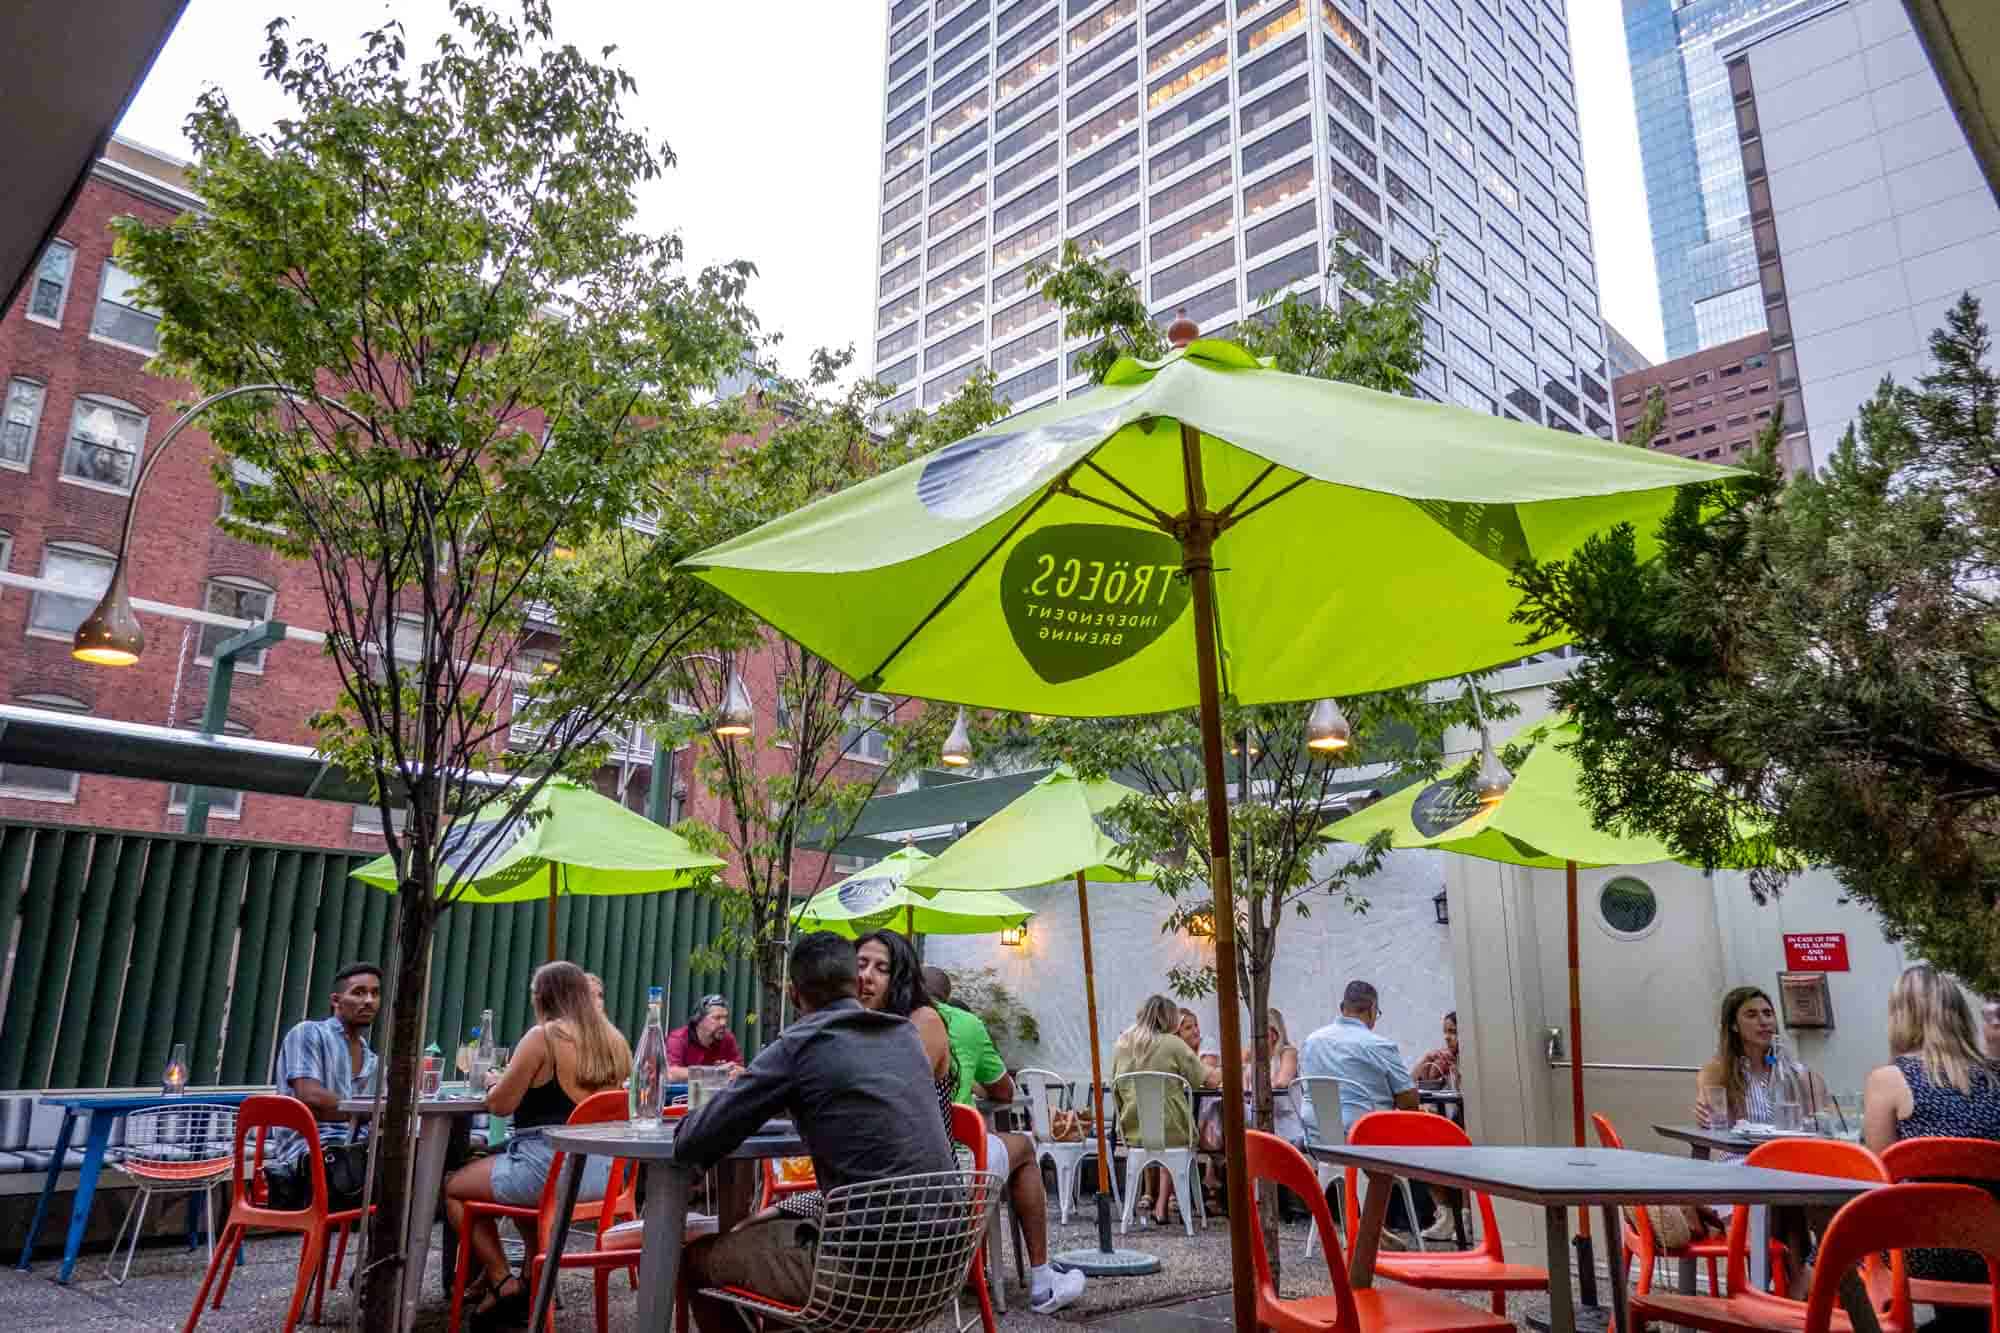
[[111, 634]]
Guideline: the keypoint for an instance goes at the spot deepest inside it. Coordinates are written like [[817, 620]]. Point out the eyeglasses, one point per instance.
[[709, 1002]]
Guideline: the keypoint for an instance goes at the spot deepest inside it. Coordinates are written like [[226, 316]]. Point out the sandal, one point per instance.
[[505, 1305]]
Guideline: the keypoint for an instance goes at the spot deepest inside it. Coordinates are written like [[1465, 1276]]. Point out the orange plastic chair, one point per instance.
[[599, 1108], [314, 1223], [1482, 1269], [969, 1128], [1744, 1309], [1273, 1161], [786, 1176], [1642, 1246], [1956, 1160], [1946, 1217]]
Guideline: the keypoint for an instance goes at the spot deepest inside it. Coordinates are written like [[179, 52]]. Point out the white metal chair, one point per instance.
[[1150, 1091], [173, 1150], [1322, 1092], [892, 1254], [1047, 1093]]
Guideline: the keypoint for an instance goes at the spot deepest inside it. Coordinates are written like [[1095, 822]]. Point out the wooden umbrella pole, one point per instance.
[[1096, 1071], [1197, 537], [552, 911]]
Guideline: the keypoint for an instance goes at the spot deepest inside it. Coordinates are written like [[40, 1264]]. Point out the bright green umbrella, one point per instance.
[[1540, 821], [1054, 831], [1067, 561], [879, 897], [580, 841]]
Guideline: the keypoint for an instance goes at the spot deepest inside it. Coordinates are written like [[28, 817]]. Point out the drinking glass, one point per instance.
[[704, 1081], [1715, 1101]]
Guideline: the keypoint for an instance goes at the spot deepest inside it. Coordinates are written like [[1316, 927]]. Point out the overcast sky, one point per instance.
[[776, 121]]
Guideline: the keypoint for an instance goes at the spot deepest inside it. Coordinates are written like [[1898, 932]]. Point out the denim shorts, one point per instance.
[[520, 1172]]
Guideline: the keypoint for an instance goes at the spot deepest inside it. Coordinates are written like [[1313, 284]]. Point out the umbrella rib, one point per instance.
[[1075, 494], [873, 679], [1160, 516], [1227, 521], [1222, 515]]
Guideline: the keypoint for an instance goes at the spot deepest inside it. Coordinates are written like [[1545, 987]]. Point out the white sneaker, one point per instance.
[[1064, 1290]]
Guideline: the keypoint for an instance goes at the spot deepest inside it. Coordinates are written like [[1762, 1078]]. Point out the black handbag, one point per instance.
[[289, 1186]]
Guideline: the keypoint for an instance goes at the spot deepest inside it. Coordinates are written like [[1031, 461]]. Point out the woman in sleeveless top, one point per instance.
[[1748, 1027], [891, 979], [1937, 1085], [570, 1053]]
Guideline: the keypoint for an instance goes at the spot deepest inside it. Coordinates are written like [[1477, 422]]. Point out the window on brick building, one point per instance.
[[248, 477], [6, 550], [87, 570], [368, 819], [245, 599], [19, 418], [121, 317], [51, 290], [106, 438], [30, 782], [869, 710], [221, 804]]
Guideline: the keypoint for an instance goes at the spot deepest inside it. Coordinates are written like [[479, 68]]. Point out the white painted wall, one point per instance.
[[1397, 944]]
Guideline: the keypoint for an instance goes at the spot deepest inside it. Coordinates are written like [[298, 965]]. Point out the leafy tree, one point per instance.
[[1363, 329], [795, 790], [1819, 653], [1651, 419], [486, 366]]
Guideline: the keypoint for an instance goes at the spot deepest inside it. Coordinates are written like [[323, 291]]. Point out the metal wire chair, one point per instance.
[[892, 1254], [173, 1150]]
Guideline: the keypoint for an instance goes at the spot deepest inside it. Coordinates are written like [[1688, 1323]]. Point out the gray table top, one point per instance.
[[778, 1138], [1562, 1176], [1721, 1140], [428, 1106]]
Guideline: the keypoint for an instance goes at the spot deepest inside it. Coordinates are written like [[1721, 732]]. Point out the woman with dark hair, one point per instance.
[[571, 1052], [891, 979], [1744, 1063]]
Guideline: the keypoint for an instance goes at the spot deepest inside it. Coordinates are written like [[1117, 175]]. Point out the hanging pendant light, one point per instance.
[[1492, 781], [1327, 730], [736, 718], [110, 635], [957, 752]]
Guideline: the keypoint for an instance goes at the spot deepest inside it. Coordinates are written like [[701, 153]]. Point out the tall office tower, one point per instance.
[[1217, 149], [1694, 173]]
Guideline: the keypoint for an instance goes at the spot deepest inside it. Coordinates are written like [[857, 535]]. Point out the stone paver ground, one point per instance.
[[164, 1279]]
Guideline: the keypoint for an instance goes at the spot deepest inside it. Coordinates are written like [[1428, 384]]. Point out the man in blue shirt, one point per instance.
[[1372, 1076], [326, 1060]]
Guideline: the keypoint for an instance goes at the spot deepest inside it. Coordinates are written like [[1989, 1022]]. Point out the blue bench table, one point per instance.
[[103, 1111]]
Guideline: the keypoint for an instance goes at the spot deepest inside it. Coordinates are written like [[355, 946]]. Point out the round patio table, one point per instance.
[[435, 1117], [667, 1185]]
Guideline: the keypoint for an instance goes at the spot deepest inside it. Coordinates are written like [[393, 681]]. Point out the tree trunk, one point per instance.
[[416, 920], [769, 957]]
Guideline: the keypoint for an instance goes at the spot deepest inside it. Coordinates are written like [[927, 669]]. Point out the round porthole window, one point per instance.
[[1627, 908]]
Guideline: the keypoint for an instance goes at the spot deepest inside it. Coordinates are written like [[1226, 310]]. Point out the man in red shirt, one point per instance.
[[706, 1040]]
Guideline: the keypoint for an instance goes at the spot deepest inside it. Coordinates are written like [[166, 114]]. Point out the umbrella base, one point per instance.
[[1589, 1318], [1114, 1263]]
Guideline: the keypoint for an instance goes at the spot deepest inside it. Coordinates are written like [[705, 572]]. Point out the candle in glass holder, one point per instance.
[[173, 1080]]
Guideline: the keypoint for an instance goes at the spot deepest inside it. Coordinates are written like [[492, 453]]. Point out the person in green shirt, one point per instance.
[[972, 1050]]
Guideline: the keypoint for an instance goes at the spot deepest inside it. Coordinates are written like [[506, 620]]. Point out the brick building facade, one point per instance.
[[1718, 401], [81, 413]]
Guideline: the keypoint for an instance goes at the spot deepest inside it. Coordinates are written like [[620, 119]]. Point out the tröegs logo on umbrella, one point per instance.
[[967, 479], [1081, 597], [862, 896], [1442, 807]]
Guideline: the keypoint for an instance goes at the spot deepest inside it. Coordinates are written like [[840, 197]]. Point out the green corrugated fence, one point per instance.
[[122, 944]]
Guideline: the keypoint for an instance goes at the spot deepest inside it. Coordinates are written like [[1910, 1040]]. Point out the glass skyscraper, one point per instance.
[[1695, 195], [1217, 150]]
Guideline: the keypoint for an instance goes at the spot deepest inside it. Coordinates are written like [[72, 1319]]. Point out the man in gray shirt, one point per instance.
[[857, 1084]]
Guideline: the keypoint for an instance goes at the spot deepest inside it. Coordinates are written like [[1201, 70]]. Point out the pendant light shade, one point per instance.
[[736, 717], [111, 634], [1327, 730], [957, 752]]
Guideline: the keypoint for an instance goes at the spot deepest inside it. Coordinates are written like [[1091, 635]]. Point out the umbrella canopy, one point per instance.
[[1034, 566], [1052, 831], [1193, 529], [1540, 822], [594, 844], [878, 896]]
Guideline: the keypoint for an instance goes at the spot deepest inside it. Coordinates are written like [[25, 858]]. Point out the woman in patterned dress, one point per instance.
[[1938, 1084]]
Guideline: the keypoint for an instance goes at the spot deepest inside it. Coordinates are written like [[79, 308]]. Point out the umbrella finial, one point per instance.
[[1183, 330]]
